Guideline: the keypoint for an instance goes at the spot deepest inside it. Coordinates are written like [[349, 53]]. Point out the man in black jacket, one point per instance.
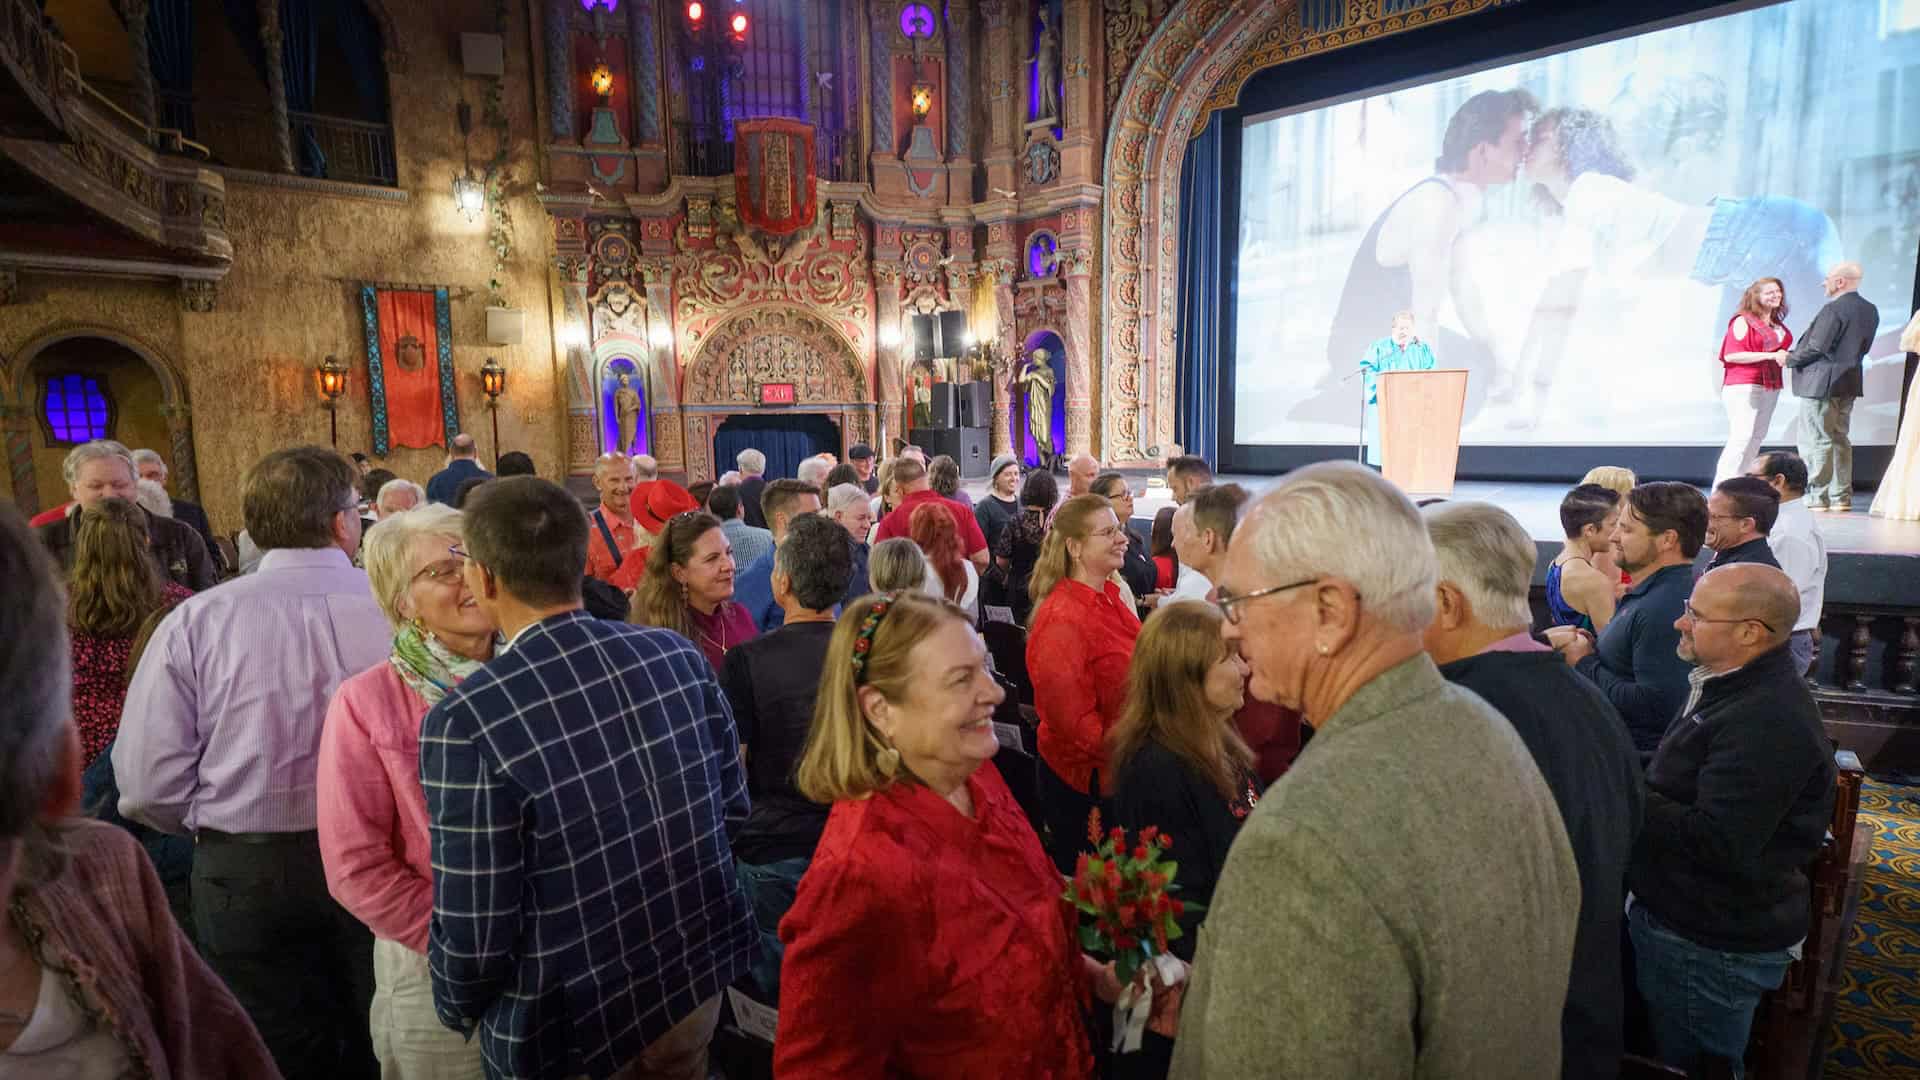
[[1738, 799], [1740, 514], [1827, 380], [1479, 638]]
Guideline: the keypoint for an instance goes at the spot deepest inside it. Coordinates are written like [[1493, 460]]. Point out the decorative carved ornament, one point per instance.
[[810, 271], [774, 344], [198, 296], [1184, 58]]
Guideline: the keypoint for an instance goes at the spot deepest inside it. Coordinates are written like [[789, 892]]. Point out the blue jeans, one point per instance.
[[770, 888], [1700, 1001], [1769, 236]]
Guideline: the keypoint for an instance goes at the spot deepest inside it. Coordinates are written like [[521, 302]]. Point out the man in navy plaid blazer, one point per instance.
[[581, 789]]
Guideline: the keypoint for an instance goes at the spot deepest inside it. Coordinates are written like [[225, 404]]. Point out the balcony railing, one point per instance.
[[705, 150], [351, 150]]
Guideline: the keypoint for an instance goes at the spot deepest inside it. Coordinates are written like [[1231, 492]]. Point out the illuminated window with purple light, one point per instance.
[[1041, 249], [611, 5], [76, 409], [916, 21]]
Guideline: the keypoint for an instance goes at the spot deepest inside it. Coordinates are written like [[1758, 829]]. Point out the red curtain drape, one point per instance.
[[414, 416]]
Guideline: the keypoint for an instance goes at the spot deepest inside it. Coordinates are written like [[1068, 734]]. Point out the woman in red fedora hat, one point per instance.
[[654, 503]]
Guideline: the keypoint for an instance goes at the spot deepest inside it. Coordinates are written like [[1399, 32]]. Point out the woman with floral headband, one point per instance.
[[928, 938]]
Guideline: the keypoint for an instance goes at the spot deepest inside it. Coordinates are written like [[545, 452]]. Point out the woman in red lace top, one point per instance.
[[1752, 352], [115, 585], [1078, 649], [928, 938]]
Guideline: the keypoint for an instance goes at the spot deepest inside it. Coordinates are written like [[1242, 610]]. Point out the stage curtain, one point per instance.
[[170, 51], [413, 397], [786, 440], [362, 49], [300, 65], [1201, 293], [243, 18]]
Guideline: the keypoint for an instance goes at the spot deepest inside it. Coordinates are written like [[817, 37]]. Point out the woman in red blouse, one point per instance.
[[1752, 352], [1078, 649], [928, 938], [115, 585]]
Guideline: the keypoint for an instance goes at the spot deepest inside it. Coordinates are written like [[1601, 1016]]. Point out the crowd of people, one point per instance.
[[470, 779]]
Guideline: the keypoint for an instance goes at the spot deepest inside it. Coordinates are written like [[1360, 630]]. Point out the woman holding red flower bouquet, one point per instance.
[[928, 938], [1181, 769]]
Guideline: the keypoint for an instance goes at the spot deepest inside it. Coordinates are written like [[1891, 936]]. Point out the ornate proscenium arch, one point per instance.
[[772, 343], [1196, 61]]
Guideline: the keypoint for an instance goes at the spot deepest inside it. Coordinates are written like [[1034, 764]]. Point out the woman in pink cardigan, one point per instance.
[[373, 814]]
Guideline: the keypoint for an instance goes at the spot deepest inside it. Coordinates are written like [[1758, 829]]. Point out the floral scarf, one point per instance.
[[427, 666]]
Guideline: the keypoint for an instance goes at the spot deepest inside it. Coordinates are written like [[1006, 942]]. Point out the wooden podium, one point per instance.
[[1420, 415]]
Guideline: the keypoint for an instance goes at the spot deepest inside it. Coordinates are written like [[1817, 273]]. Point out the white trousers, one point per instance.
[[408, 1037], [1749, 412]]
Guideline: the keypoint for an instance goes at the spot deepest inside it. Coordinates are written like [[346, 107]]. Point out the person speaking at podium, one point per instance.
[[1400, 350]]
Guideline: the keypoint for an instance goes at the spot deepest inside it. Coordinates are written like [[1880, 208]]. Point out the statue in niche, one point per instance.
[[1036, 380], [626, 412], [1046, 68]]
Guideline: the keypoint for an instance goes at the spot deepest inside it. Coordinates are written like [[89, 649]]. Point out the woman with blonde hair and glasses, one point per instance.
[[1078, 649], [372, 809], [927, 937], [1179, 766], [114, 589], [688, 587]]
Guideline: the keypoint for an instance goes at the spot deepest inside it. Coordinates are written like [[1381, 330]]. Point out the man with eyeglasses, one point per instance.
[[1740, 513], [220, 739], [1738, 799]]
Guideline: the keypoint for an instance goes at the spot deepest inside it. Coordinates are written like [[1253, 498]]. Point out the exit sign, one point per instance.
[[777, 393]]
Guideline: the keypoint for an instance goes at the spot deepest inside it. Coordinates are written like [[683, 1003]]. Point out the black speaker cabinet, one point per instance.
[[953, 333], [976, 404], [926, 337], [944, 408], [968, 446]]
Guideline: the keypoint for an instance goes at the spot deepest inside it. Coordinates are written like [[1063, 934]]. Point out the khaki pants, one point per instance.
[[1828, 449], [408, 1037], [680, 1054]]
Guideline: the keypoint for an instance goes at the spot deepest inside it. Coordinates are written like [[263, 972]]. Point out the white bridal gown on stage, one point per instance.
[[1899, 494]]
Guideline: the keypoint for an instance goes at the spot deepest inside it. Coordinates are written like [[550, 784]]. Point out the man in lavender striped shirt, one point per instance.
[[220, 738]]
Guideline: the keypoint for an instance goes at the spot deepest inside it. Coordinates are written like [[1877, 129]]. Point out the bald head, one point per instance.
[[462, 446], [1843, 277], [1757, 591], [1080, 473], [1736, 614]]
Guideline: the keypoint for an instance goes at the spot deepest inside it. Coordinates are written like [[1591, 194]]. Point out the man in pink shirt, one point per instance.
[[910, 477], [220, 738]]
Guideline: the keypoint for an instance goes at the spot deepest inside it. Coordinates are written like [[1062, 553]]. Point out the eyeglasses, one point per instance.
[[1695, 616], [1107, 533], [441, 573], [458, 552], [1229, 604]]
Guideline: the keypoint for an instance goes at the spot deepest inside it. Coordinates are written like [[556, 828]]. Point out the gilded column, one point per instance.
[[959, 81], [1078, 263], [881, 56], [276, 83], [888, 343], [559, 35], [644, 46], [145, 106], [663, 389], [1000, 72], [997, 274]]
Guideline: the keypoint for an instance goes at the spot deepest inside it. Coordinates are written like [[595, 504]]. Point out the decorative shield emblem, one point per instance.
[[773, 174], [410, 353]]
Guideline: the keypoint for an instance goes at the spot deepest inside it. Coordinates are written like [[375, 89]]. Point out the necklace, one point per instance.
[[708, 638]]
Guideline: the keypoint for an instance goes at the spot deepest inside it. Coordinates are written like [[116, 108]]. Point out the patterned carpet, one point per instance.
[[1876, 1023]]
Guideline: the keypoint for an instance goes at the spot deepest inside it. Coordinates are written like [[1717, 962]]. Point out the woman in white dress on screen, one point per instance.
[[1899, 494]]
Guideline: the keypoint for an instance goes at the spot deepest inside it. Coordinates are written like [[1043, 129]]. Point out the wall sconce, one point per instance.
[[922, 100], [602, 78], [493, 381], [331, 376], [469, 194]]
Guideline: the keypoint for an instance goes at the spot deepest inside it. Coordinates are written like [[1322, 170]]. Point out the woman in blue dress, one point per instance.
[[1578, 593]]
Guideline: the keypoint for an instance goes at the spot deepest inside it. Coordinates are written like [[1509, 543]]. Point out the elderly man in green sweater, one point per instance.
[[1402, 902]]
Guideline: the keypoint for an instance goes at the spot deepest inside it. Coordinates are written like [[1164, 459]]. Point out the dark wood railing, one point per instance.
[[355, 150]]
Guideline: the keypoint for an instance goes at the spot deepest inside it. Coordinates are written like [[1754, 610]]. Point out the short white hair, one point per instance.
[[813, 471], [730, 478], [383, 551], [842, 496], [94, 451], [395, 487], [751, 461], [144, 456], [1340, 519], [153, 498], [645, 467], [606, 461], [1482, 551]]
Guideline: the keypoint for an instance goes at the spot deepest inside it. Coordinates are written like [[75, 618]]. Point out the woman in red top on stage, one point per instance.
[[1078, 649], [1755, 346], [928, 938]]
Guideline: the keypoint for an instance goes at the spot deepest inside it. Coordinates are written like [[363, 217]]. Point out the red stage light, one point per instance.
[[695, 12], [740, 23]]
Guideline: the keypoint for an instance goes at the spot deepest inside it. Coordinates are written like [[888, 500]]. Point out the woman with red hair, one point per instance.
[[949, 575], [1752, 352]]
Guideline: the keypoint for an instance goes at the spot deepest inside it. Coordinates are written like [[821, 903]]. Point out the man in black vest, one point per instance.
[[1827, 380], [1740, 514], [1738, 799]]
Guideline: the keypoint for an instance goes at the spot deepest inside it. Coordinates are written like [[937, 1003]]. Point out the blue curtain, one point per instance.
[[1201, 293], [362, 49], [786, 440], [170, 51], [300, 64], [243, 18]]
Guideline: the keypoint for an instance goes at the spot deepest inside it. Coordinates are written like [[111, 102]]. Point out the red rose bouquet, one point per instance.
[[1128, 915]]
